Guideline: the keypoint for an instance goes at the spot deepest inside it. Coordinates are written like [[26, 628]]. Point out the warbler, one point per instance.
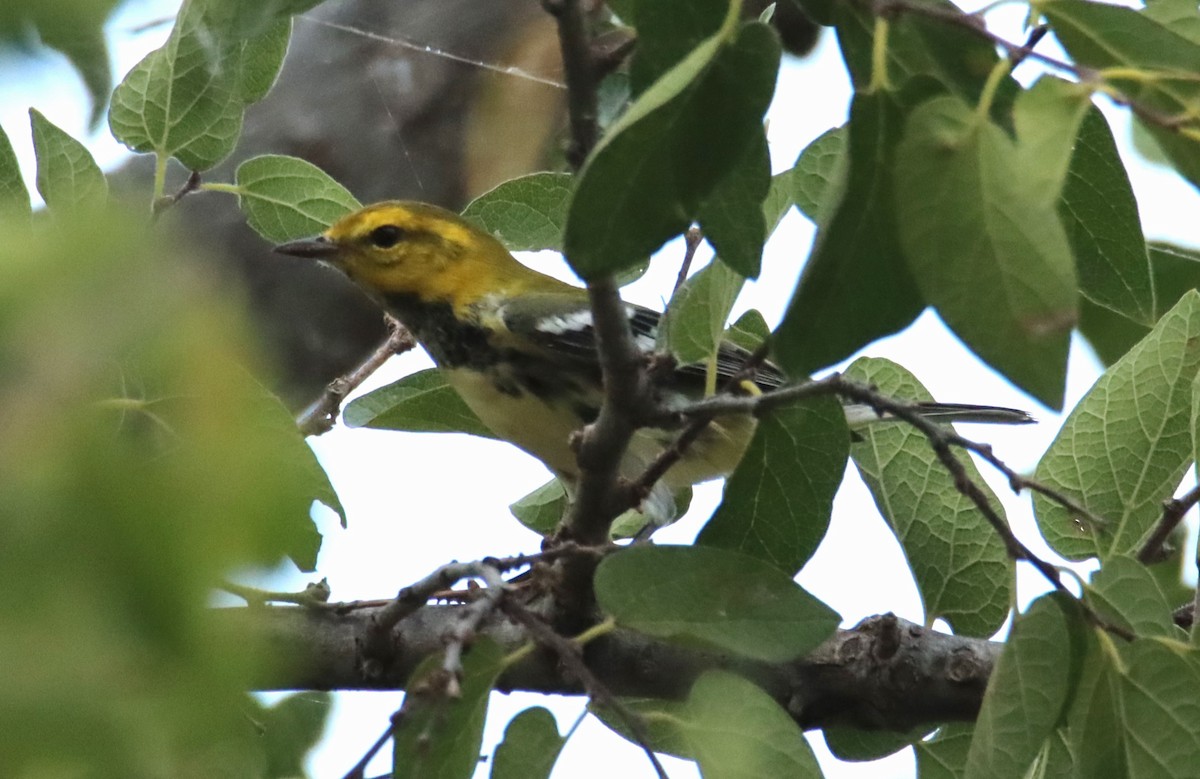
[[519, 347]]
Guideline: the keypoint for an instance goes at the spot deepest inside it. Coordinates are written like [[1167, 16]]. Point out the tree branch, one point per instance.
[[1173, 513], [886, 673], [320, 417]]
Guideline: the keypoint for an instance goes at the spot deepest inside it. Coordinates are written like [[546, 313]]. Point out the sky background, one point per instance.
[[406, 516]]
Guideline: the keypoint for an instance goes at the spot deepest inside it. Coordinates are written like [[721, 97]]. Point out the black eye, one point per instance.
[[386, 236]]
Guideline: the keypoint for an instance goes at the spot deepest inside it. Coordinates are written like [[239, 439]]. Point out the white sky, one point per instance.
[[407, 517]]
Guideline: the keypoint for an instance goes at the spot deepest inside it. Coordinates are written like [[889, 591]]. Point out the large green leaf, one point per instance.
[[439, 734], [186, 99], [1175, 271], [526, 213], [530, 747], [733, 218], [735, 729], [1160, 709], [945, 755], [819, 171], [1154, 57], [1025, 695], [973, 232], [696, 315], [959, 563], [714, 598], [1101, 219], [917, 46], [855, 286], [68, 179], [1144, 402], [778, 502], [14, 196], [421, 402], [647, 179], [1126, 592], [667, 30], [137, 470], [727, 724], [289, 729], [284, 198]]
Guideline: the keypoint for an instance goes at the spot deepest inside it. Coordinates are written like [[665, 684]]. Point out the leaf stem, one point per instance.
[[879, 48], [988, 95]]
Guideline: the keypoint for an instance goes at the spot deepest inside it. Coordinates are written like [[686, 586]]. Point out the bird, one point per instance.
[[519, 346]]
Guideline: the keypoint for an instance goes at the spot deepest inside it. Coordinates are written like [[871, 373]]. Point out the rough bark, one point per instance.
[[884, 674]]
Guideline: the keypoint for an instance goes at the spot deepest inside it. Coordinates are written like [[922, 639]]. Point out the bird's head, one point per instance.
[[409, 248]]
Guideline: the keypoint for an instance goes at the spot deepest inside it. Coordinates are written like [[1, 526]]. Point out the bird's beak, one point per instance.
[[317, 248]]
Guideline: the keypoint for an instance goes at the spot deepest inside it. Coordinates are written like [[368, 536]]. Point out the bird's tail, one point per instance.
[[860, 415]]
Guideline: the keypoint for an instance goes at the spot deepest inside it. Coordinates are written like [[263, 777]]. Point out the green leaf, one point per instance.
[[1160, 709], [293, 456], [958, 561], [856, 746], [818, 174], [1163, 56], [733, 218], [714, 598], [1095, 728], [647, 178], [1047, 118], [421, 402], [1181, 16], [526, 213], [1143, 401], [136, 475], [958, 59], [1175, 271], [261, 61], [284, 198], [542, 509], [749, 331], [186, 99], [779, 200], [945, 755], [667, 31], [778, 501], [439, 735], [1100, 216], [727, 724], [530, 747], [14, 197], [735, 729], [290, 729], [1127, 593], [660, 718], [698, 310], [855, 286], [1025, 695], [68, 179], [972, 231]]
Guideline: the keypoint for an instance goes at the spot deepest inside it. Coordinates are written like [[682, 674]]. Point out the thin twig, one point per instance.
[[1174, 510], [315, 595], [163, 203], [942, 439], [360, 768], [320, 417], [691, 241], [467, 627], [580, 73], [571, 657], [377, 645]]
